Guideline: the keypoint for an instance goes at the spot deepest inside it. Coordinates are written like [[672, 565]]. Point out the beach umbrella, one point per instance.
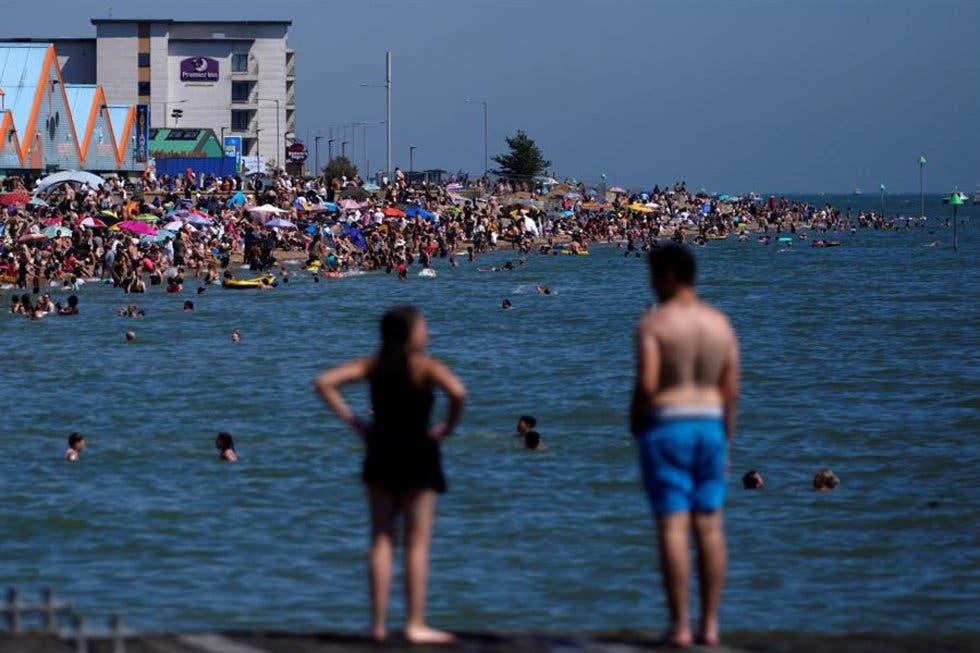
[[280, 222], [265, 209], [52, 222], [37, 201], [572, 196], [371, 188], [89, 221], [617, 189], [348, 204], [108, 214], [391, 212], [173, 226], [418, 212], [198, 218], [78, 176], [56, 232], [642, 208], [328, 207], [146, 217], [138, 228]]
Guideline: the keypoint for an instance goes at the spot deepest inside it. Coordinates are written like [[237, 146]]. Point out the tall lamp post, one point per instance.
[[411, 158], [279, 145], [343, 149], [258, 149], [955, 200], [881, 190], [316, 153], [387, 87], [922, 200], [330, 142], [486, 160]]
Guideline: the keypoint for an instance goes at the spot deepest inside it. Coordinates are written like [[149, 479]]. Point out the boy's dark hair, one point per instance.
[[74, 439], [527, 419], [224, 441], [750, 481], [532, 439], [675, 258]]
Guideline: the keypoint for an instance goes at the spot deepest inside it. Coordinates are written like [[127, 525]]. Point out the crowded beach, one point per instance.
[[75, 228]]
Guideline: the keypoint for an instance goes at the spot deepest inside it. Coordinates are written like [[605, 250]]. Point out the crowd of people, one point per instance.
[[161, 232]]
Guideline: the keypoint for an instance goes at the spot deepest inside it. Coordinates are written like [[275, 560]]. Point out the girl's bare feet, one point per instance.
[[424, 635], [379, 634], [676, 639]]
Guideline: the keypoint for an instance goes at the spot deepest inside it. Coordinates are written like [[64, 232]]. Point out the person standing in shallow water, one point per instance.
[[683, 415], [403, 467]]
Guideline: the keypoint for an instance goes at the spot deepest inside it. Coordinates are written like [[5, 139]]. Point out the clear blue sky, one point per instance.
[[729, 95]]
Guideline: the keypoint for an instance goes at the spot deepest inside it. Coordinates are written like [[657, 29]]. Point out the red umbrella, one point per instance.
[[51, 222], [89, 221], [391, 212]]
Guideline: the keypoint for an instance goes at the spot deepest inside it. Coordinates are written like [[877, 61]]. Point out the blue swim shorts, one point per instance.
[[682, 455]]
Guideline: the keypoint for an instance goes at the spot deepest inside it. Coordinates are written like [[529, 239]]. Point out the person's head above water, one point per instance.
[[76, 441], [532, 439], [825, 480], [525, 423], [752, 480], [672, 267], [224, 442]]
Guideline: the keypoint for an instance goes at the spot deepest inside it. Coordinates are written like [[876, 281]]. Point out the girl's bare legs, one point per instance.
[[420, 509], [380, 557]]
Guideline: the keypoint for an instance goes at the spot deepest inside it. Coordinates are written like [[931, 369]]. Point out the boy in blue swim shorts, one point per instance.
[[683, 416]]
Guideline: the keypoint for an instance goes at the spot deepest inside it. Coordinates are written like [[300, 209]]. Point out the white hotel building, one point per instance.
[[235, 77]]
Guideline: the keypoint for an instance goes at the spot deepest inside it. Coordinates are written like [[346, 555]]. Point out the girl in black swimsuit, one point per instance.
[[403, 466]]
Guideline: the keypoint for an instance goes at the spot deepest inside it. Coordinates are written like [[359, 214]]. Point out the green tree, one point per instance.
[[524, 160], [339, 167]]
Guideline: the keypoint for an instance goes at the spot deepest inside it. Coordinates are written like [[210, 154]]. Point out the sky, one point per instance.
[[728, 95]]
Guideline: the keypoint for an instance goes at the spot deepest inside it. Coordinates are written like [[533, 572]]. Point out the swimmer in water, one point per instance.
[[752, 480], [236, 336], [506, 305], [76, 445], [542, 290], [226, 447], [130, 336], [532, 441], [825, 481], [525, 424], [188, 306]]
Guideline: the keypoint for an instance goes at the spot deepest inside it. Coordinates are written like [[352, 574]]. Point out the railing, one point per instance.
[[291, 69], [20, 616]]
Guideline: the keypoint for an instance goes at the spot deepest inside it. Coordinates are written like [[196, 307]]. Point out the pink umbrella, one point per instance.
[[349, 204], [138, 228]]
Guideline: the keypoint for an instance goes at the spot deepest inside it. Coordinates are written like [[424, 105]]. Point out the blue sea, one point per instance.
[[862, 358]]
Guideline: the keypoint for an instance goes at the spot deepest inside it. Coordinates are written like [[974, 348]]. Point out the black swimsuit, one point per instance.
[[400, 454]]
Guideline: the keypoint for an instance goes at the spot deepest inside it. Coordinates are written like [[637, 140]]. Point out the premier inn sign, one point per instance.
[[199, 69]]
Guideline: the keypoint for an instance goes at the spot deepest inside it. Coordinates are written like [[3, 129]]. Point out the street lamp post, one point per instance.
[[411, 158], [486, 160], [387, 87], [922, 200], [279, 145], [330, 142], [343, 149], [316, 155]]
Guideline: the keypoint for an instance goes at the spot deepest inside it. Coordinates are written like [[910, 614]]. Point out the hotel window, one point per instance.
[[240, 91], [143, 59], [240, 120], [143, 88], [239, 63]]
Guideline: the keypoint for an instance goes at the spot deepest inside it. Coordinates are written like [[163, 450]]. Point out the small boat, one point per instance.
[[258, 282]]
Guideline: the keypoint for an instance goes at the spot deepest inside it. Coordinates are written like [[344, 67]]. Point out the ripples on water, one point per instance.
[[861, 358]]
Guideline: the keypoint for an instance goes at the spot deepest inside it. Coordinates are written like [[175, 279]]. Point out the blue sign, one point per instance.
[[233, 148], [142, 132]]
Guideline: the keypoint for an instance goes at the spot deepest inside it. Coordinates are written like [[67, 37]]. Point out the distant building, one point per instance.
[[236, 78], [49, 124]]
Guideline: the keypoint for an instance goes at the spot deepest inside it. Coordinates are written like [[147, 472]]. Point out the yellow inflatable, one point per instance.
[[257, 282]]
